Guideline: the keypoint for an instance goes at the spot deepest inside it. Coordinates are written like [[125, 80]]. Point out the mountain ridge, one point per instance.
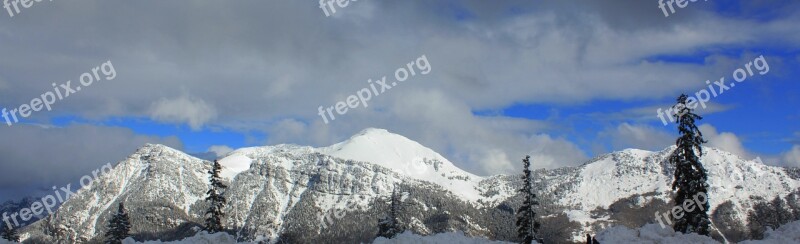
[[279, 191]]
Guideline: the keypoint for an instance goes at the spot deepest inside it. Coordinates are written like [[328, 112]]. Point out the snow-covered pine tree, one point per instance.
[[389, 226], [119, 226], [591, 239], [526, 220], [690, 176], [386, 227], [9, 233], [217, 201]]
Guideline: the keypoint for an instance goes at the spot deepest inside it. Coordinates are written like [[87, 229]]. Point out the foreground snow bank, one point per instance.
[[653, 233], [200, 238], [441, 238], [788, 233], [406, 237]]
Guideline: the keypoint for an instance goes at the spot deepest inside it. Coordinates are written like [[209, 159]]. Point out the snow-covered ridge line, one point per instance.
[[272, 185], [376, 146], [648, 175], [411, 159]]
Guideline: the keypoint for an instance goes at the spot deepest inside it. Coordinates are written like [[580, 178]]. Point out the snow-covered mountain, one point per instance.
[[335, 194], [407, 158], [12, 206]]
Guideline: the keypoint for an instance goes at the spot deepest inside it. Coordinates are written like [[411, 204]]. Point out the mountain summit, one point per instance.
[[382, 147], [407, 157], [302, 194]]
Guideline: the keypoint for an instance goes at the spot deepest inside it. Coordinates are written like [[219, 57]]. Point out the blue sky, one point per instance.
[[562, 82]]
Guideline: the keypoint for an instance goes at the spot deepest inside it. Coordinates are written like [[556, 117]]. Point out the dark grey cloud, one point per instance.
[[35, 158]]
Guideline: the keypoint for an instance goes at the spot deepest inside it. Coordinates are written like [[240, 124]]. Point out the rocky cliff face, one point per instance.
[[336, 194]]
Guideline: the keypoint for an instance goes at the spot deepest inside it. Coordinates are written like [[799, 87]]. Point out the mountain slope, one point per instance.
[[157, 182], [406, 157], [636, 179], [302, 194]]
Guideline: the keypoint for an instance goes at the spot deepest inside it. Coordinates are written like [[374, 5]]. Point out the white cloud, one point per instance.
[[792, 157], [478, 144], [726, 141], [652, 138], [637, 136], [192, 111], [650, 113], [449, 125], [220, 150]]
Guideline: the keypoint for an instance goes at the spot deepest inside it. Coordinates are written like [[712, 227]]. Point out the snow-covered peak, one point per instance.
[[637, 152], [274, 149], [153, 153], [406, 157], [637, 172], [384, 148], [234, 164], [150, 148], [376, 146]]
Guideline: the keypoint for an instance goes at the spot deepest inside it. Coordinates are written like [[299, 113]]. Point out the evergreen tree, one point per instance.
[[9, 233], [591, 240], [389, 226], [690, 176], [119, 226], [526, 221], [214, 196]]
